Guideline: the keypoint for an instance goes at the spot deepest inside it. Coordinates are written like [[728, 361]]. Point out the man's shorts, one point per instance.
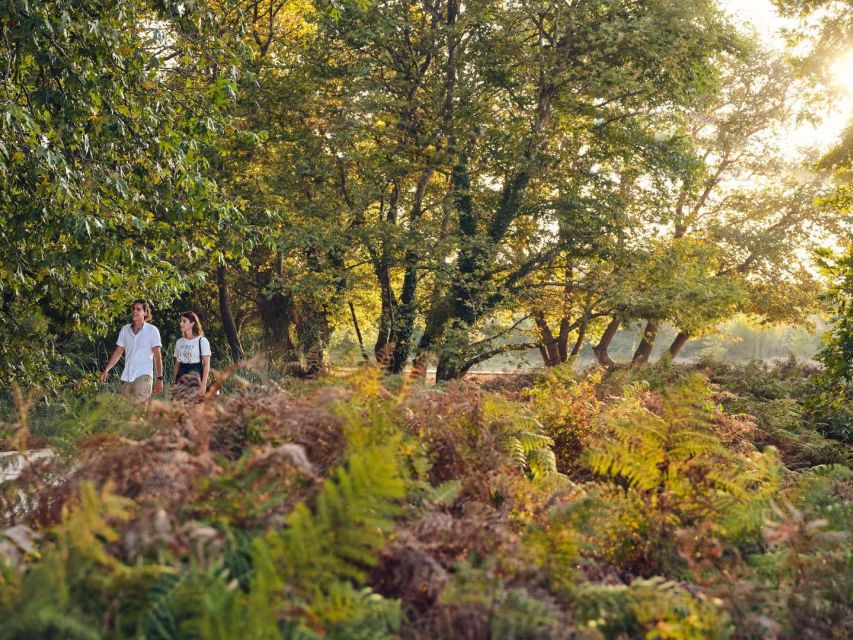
[[138, 391]]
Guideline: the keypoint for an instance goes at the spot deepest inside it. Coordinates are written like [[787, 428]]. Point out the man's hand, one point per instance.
[[111, 363], [158, 369]]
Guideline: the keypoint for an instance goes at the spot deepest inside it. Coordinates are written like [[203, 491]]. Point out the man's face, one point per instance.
[[137, 312]]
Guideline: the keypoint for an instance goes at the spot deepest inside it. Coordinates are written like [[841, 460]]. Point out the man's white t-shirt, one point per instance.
[[190, 351], [138, 354]]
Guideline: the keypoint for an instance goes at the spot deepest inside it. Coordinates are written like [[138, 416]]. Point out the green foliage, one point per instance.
[[567, 408], [558, 543], [834, 400], [523, 436], [433, 515], [251, 490], [823, 493], [781, 401], [311, 563], [652, 609], [106, 413], [506, 613], [101, 167], [351, 515], [676, 471], [75, 587]]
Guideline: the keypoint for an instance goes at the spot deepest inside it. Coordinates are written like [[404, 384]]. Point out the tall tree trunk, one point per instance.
[[275, 309], [439, 314], [406, 320], [364, 355], [476, 250], [385, 334], [387, 321], [448, 369], [600, 350], [227, 316], [549, 349], [314, 333], [576, 349], [408, 303], [678, 342], [563, 339], [647, 342], [461, 308]]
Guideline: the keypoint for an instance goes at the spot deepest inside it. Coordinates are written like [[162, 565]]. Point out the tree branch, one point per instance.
[[520, 346]]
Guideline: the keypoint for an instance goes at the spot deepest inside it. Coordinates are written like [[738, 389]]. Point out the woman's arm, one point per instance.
[[204, 373]]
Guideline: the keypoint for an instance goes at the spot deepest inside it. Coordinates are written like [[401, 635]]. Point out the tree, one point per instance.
[[733, 226], [101, 171], [560, 68]]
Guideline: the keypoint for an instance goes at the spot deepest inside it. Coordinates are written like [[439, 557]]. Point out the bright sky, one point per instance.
[[767, 23]]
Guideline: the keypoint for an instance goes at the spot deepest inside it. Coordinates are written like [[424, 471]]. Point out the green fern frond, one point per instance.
[[356, 614], [521, 616], [672, 458], [525, 440], [650, 608], [83, 528], [334, 544]]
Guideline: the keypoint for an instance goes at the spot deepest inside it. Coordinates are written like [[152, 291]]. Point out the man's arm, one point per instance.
[[158, 369], [111, 363]]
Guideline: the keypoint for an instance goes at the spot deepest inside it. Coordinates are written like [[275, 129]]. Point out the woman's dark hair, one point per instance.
[[192, 317], [146, 308]]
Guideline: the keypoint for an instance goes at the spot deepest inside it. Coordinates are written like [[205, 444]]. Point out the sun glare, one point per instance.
[[842, 72]]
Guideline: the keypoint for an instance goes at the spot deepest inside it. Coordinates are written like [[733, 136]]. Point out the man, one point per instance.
[[141, 342]]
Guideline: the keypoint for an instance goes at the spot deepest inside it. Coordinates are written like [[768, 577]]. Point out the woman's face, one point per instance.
[[186, 326]]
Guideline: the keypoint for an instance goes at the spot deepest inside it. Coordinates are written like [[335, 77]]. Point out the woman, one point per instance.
[[192, 359]]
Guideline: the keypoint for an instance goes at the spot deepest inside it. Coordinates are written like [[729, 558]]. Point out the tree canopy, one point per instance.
[[449, 180]]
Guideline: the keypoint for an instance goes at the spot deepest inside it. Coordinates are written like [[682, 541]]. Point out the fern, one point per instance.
[[350, 613], [521, 616], [308, 562], [73, 589], [673, 462], [157, 620], [557, 543], [654, 608], [509, 613], [524, 437], [567, 408]]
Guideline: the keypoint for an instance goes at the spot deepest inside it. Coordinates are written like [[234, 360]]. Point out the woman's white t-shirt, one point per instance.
[[190, 351]]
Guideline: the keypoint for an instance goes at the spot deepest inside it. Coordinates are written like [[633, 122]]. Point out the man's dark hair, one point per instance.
[[145, 307]]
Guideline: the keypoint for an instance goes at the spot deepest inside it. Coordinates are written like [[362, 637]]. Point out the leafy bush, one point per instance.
[[676, 471], [567, 407], [364, 510], [651, 608]]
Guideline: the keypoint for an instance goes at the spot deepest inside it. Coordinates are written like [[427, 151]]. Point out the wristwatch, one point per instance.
[[159, 377]]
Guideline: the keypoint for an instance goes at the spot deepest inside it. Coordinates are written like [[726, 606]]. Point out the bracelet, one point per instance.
[[159, 377]]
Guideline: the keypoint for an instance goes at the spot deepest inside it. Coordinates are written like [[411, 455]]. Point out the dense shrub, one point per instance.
[[631, 505]]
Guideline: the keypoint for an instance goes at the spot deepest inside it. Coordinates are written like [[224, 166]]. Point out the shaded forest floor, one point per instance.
[[657, 502]]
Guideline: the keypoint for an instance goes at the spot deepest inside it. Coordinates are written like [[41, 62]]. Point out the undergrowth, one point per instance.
[[655, 502]]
